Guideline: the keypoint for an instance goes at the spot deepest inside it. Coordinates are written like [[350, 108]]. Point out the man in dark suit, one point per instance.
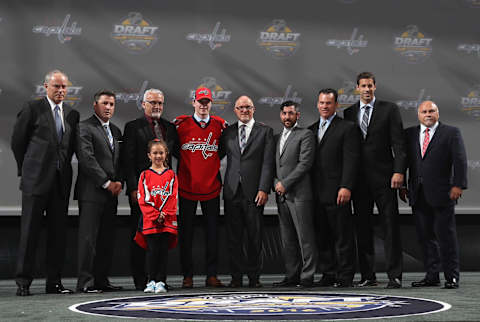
[[43, 142], [437, 176], [382, 164], [97, 188], [334, 173], [295, 150], [250, 151], [136, 136]]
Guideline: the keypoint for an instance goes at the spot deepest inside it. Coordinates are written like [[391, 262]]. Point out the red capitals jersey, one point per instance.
[[157, 192], [198, 169]]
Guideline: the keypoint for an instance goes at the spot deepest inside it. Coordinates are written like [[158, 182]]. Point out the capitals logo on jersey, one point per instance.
[[199, 144]]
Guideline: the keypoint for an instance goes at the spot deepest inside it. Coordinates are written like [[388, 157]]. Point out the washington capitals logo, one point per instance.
[[163, 192], [202, 145]]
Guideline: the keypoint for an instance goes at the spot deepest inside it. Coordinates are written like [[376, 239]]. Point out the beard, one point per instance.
[[156, 115]]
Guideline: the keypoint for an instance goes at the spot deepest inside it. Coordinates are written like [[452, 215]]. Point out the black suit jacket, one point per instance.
[[336, 159], [37, 151], [136, 136], [255, 166], [97, 163], [443, 166], [383, 150]]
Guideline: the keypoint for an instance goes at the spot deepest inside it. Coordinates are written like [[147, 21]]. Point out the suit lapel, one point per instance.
[[434, 139], [103, 133], [251, 137], [289, 139], [330, 130], [47, 109], [146, 129], [234, 137]]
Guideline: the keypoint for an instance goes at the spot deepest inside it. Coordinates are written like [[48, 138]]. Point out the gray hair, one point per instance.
[[49, 75], [153, 91]]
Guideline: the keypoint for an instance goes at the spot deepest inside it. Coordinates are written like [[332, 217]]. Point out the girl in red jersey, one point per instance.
[[157, 197]]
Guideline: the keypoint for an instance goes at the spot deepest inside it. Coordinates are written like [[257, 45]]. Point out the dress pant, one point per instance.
[[55, 205], [298, 238], [243, 215], [336, 241], [137, 253], [95, 242], [157, 256], [437, 234], [387, 204], [186, 218]]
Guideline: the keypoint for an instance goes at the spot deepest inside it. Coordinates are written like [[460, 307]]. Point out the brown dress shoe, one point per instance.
[[187, 282], [213, 281]]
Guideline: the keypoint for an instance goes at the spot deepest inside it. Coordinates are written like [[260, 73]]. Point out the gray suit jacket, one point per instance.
[[254, 166], [293, 164], [97, 163]]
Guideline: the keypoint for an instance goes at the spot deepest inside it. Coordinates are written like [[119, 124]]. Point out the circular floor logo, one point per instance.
[[262, 306]]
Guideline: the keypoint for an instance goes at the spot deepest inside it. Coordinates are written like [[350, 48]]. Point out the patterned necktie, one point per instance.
[[426, 141], [321, 130], [283, 139], [109, 135], [58, 123], [243, 137], [157, 129], [364, 124]]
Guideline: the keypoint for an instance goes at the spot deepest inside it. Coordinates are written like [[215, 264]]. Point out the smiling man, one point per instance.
[[250, 150], [382, 165], [43, 143], [97, 188]]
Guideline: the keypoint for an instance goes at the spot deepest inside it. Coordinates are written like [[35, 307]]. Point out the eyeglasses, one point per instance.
[[247, 107], [154, 102]]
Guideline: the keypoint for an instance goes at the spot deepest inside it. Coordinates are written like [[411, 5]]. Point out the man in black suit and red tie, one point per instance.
[[437, 176], [381, 173], [136, 136], [43, 143]]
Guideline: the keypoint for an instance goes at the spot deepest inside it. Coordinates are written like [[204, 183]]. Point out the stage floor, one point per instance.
[[465, 301]]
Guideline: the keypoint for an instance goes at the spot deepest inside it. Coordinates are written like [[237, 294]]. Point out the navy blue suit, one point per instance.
[[431, 178]]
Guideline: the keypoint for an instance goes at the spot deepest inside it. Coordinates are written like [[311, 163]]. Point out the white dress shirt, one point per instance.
[[285, 134], [198, 119], [248, 129], [422, 134], [60, 105], [362, 110]]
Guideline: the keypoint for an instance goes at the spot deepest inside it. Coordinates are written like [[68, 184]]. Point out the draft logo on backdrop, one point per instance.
[[347, 94], [215, 39], [72, 98], [412, 104], [132, 95], [471, 102], [276, 101], [221, 96], [64, 32], [352, 45], [413, 45], [471, 49], [135, 33], [279, 40]]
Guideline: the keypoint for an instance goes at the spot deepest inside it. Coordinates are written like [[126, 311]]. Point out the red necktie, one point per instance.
[[426, 140]]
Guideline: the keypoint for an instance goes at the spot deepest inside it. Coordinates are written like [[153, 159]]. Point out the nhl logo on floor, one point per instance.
[[262, 306]]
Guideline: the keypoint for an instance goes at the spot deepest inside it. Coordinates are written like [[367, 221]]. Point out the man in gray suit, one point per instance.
[[250, 152], [97, 189], [295, 152]]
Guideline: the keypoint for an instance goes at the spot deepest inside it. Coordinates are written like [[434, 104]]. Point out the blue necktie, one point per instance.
[[109, 135], [58, 123]]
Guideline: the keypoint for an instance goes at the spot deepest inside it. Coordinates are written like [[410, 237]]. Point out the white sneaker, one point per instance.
[[160, 288], [150, 287]]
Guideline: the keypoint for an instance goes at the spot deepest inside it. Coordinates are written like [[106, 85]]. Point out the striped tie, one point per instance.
[[321, 130], [364, 124], [426, 141], [243, 137], [109, 135], [58, 123]]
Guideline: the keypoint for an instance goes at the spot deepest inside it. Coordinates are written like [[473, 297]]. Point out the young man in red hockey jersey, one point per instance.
[[199, 180]]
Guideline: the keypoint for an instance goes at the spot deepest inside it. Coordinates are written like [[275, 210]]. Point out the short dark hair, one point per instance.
[[289, 103], [365, 75], [101, 92], [329, 91]]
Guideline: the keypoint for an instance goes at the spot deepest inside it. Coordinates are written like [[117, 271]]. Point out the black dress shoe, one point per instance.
[[425, 283], [90, 290], [254, 284], [305, 284], [451, 284], [23, 290], [364, 283], [285, 283], [394, 283], [57, 289], [325, 281], [109, 288], [342, 284], [235, 283]]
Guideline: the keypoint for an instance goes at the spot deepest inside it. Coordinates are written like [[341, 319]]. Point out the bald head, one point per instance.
[[244, 108], [428, 113]]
